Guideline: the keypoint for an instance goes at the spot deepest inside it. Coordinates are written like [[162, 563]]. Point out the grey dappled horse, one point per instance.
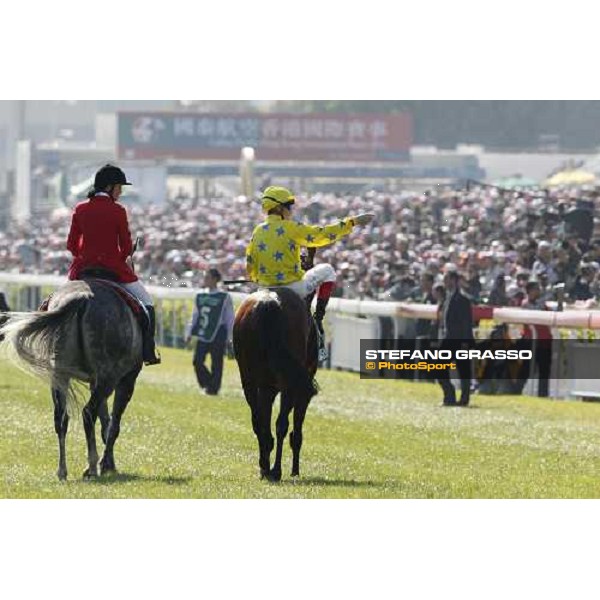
[[88, 334]]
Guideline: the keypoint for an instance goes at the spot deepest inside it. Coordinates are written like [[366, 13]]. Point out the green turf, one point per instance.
[[362, 439]]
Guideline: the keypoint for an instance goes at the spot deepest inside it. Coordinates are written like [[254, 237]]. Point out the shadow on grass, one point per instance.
[[471, 406], [116, 478], [322, 482]]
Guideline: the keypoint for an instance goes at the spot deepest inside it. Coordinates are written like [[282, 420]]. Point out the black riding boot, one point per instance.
[[151, 356], [319, 315]]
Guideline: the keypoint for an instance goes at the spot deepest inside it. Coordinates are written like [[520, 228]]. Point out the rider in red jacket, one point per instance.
[[99, 238]]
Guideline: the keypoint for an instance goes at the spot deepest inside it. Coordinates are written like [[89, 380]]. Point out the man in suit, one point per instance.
[[455, 331]]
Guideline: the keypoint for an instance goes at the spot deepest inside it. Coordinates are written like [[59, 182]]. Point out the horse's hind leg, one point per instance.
[[123, 394], [296, 435], [100, 392], [281, 429], [104, 419], [266, 396], [251, 395], [61, 424]]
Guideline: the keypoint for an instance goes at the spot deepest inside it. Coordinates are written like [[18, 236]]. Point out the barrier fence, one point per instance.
[[575, 351], [350, 320]]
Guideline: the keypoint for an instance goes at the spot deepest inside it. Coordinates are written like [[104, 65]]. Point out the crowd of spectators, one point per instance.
[[497, 239]]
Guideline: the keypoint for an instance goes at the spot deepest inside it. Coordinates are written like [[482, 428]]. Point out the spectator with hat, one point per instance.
[[515, 296]]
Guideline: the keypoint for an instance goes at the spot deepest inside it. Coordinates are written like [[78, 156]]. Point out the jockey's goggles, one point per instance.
[[288, 204]]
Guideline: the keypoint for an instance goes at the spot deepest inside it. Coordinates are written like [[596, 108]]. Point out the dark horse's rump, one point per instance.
[[88, 334], [279, 325], [276, 350]]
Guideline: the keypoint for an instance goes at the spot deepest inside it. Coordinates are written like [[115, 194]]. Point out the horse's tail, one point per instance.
[[32, 341], [274, 349]]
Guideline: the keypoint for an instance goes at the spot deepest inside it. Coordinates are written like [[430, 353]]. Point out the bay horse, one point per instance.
[[88, 334], [275, 344]]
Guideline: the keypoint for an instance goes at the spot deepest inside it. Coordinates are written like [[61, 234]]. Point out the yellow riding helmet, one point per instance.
[[275, 196]]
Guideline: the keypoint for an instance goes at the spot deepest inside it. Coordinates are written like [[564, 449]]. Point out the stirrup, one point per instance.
[[322, 352], [155, 359]]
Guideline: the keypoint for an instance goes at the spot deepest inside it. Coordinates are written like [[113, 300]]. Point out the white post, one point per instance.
[[247, 172], [21, 205]]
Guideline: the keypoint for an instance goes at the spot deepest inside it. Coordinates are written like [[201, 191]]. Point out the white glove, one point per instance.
[[363, 219]]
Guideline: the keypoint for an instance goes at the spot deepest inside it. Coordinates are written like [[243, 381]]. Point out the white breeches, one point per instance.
[[312, 279]]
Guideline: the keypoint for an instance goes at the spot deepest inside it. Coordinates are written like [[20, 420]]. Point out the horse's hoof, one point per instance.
[[62, 475], [275, 476], [107, 465], [88, 474], [295, 473]]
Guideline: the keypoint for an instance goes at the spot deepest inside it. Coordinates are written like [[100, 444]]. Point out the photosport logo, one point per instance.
[[427, 357]]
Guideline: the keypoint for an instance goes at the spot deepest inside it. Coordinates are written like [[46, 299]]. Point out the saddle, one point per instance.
[[109, 279]]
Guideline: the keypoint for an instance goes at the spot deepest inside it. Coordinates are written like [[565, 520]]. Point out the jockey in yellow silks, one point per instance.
[[273, 254]]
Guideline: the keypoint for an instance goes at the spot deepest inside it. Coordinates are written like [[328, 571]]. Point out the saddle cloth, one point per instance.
[[138, 309]]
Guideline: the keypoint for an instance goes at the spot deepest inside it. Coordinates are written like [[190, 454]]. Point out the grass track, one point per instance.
[[362, 439]]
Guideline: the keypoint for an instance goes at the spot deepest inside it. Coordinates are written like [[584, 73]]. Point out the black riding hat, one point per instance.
[[109, 175]]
